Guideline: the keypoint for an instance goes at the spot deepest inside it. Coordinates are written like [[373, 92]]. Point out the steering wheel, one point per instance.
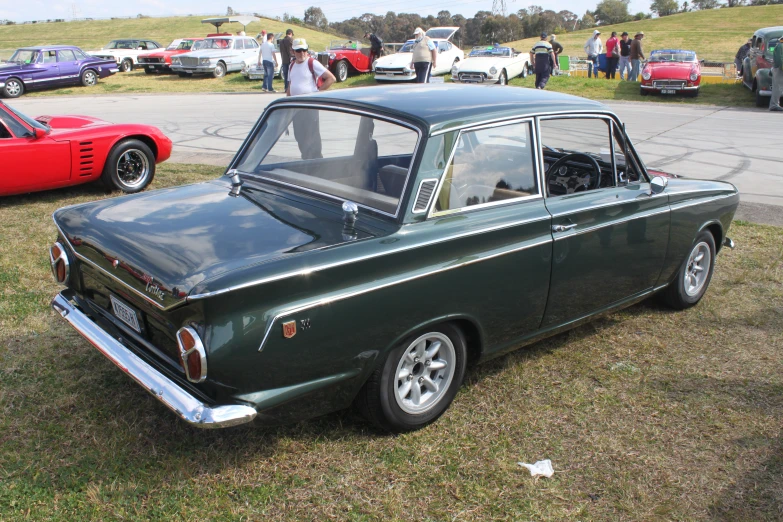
[[569, 179]]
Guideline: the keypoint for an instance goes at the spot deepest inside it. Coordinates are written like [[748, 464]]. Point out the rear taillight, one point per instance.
[[58, 259], [192, 355]]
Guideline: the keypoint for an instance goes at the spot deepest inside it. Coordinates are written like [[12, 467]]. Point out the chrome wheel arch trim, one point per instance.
[[346, 295]]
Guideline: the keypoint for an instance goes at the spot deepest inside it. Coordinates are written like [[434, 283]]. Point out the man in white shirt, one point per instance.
[[593, 47], [269, 61], [307, 75]]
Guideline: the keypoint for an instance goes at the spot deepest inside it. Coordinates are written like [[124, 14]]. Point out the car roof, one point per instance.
[[52, 47], [445, 106], [770, 31]]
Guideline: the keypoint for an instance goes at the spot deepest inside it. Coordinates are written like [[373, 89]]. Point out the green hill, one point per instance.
[[714, 34], [94, 34]]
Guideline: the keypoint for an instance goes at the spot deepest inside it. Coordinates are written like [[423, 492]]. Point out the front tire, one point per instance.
[[694, 275], [149, 70], [126, 65], [503, 80], [14, 88], [643, 92], [182, 74], [220, 70], [761, 101], [89, 78], [130, 167], [341, 71], [417, 382], [524, 72]]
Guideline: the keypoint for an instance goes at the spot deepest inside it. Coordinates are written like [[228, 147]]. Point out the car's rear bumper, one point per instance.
[[178, 400]]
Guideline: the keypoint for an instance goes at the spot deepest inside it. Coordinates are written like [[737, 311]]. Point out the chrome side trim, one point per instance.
[[604, 205], [326, 266], [575, 114], [380, 116], [185, 405], [689, 202], [347, 295], [109, 274], [613, 223]]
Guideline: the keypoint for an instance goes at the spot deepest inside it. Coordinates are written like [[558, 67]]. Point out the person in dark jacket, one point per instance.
[[543, 59], [286, 55], [625, 56], [739, 58], [376, 46]]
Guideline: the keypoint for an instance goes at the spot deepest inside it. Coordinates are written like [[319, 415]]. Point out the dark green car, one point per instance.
[[367, 245]]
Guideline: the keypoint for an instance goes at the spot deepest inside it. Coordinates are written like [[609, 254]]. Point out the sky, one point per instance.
[[335, 10]]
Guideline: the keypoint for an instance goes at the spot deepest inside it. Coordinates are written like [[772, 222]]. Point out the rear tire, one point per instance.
[[525, 71], [761, 101], [405, 393], [694, 276], [89, 78], [129, 167], [14, 88]]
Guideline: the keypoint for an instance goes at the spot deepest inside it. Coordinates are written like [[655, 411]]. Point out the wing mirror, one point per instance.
[[658, 184], [39, 133]]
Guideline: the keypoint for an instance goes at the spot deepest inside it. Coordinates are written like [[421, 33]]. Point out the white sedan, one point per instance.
[[397, 66], [490, 64]]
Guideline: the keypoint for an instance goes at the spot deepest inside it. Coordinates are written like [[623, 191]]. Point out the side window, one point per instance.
[[490, 165], [577, 155], [152, 45], [4, 134], [18, 129], [66, 56], [239, 44], [79, 54], [444, 46], [142, 45], [49, 57]]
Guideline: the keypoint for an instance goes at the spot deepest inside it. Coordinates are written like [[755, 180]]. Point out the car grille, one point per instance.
[[189, 61], [389, 70], [472, 77], [324, 59], [669, 84], [150, 60]]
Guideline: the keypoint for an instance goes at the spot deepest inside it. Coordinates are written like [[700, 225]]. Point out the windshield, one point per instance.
[[217, 43], [344, 44], [31, 122], [189, 45], [122, 44], [672, 56], [491, 51], [24, 56], [440, 33], [341, 154], [407, 48], [174, 45]]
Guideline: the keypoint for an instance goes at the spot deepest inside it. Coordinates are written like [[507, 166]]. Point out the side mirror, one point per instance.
[[658, 184], [39, 133]]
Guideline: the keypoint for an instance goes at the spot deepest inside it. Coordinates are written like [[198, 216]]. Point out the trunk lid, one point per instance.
[[163, 243]]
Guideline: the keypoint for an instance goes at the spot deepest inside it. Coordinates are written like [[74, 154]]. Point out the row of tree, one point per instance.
[[485, 27]]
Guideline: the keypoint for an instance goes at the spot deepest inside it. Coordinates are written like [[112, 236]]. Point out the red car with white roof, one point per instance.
[[160, 60]]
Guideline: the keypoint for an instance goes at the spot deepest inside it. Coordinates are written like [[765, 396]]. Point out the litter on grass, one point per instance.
[[541, 468]]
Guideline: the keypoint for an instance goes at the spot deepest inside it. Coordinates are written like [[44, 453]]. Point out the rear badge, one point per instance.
[[289, 329]]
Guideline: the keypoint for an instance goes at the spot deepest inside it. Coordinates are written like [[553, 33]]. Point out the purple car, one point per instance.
[[51, 66]]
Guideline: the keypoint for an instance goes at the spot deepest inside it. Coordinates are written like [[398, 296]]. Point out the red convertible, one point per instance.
[[346, 56], [57, 151], [672, 71]]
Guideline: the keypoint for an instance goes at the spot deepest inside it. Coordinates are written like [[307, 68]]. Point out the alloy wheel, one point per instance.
[[13, 88], [424, 373], [133, 168], [697, 269], [90, 79]]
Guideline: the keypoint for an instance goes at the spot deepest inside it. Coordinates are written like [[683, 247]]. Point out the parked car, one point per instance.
[[51, 66], [671, 71], [344, 57], [364, 250], [160, 61], [217, 56], [50, 152], [253, 71], [489, 64], [757, 67], [397, 66], [126, 52]]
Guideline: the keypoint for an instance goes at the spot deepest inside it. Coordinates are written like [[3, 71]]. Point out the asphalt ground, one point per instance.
[[742, 146]]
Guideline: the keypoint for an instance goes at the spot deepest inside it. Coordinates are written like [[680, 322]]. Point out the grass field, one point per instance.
[[714, 34], [94, 34], [647, 414]]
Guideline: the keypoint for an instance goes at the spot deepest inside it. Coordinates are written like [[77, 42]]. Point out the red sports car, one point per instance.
[[57, 151], [344, 57], [160, 60], [672, 71]]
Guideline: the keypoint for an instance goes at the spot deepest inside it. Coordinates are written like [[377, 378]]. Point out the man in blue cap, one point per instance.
[[543, 59]]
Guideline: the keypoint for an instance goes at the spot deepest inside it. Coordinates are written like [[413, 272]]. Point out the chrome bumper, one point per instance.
[[2, 84], [651, 88], [728, 242], [764, 92], [188, 407]]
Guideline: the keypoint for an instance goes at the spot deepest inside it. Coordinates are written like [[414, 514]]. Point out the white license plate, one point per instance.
[[125, 313], [389, 74], [668, 91]]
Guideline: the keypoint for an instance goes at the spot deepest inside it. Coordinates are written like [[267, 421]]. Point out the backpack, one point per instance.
[[317, 79]]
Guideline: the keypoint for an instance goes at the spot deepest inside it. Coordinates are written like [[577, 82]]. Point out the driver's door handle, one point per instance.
[[563, 228]]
